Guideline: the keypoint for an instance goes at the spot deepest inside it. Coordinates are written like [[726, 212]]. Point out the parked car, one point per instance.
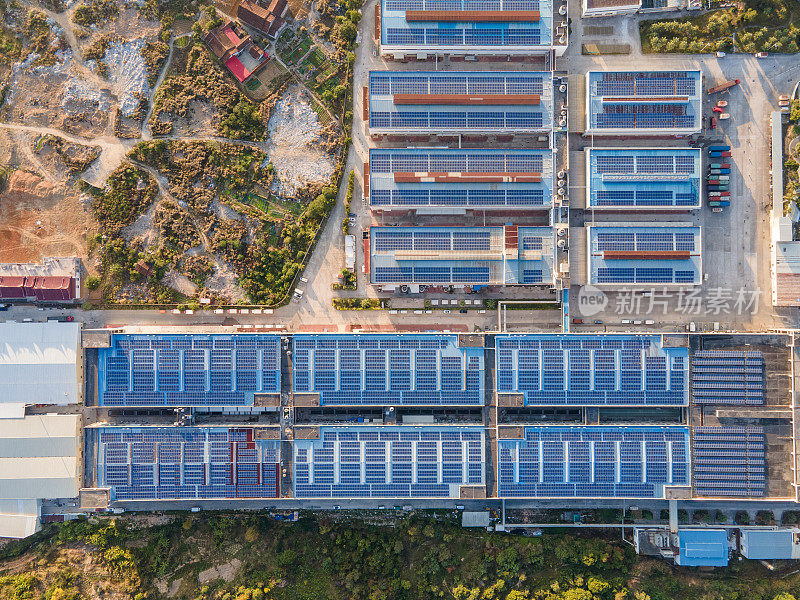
[[463, 311], [722, 103], [713, 122], [724, 116], [717, 109], [577, 321], [720, 54], [5, 306], [761, 55]]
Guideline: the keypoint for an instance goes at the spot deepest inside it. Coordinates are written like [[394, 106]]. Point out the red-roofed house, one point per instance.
[[269, 20], [236, 50], [52, 288]]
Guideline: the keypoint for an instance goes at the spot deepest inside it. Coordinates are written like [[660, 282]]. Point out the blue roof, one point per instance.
[[631, 102], [592, 370], [401, 461], [386, 193], [387, 117], [703, 548], [427, 36], [188, 370], [150, 463], [645, 178], [461, 256], [606, 461], [762, 544], [633, 266], [407, 369]]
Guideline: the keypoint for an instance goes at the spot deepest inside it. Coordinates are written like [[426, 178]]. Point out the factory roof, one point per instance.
[[38, 365], [462, 255], [644, 102], [585, 370], [703, 548], [643, 178], [649, 255], [453, 178], [513, 26], [453, 102], [408, 369]]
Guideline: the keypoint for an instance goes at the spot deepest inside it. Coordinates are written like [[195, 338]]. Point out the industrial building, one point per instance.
[[39, 364], [188, 370], [155, 463], [388, 370], [455, 181], [703, 548], [623, 179], [649, 103], [607, 370], [55, 280], [663, 254], [38, 460], [452, 103], [586, 461], [420, 28], [460, 256], [390, 462], [617, 8], [770, 544]]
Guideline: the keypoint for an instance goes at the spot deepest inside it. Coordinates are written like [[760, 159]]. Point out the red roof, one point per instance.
[[52, 288], [238, 69]]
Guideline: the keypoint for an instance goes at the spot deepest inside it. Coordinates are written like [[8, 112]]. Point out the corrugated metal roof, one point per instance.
[[703, 548], [762, 544], [38, 363]]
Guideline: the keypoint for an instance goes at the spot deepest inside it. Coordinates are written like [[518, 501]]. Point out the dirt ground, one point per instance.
[[42, 218]]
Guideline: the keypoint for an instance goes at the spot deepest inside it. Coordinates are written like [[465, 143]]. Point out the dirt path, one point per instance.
[[146, 133], [25, 147], [64, 21]]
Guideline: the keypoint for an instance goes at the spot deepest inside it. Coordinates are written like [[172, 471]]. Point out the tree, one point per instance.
[[92, 282]]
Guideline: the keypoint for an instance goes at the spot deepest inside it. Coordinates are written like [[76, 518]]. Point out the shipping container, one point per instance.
[[719, 148]]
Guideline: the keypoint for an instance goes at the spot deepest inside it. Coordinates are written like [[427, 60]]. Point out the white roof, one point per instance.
[[38, 364], [19, 518], [38, 457]]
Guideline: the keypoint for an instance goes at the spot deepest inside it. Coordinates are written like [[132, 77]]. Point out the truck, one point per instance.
[[724, 86]]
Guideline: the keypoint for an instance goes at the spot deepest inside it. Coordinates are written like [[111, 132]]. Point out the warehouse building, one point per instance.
[[197, 370], [643, 179], [662, 254], [770, 544], [651, 103], [38, 460], [452, 103], [592, 461], [38, 365], [456, 181], [460, 256], [416, 370], [180, 463], [390, 462], [596, 370], [420, 28]]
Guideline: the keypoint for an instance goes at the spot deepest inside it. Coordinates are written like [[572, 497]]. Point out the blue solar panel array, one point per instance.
[[729, 461], [598, 461], [596, 370], [188, 370], [398, 82], [388, 369], [439, 119], [389, 462], [648, 83], [644, 100], [150, 463], [384, 191], [727, 377], [646, 177]]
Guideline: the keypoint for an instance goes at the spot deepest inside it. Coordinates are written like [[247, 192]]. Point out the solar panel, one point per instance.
[[600, 370], [187, 370], [148, 463], [573, 461], [398, 462]]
